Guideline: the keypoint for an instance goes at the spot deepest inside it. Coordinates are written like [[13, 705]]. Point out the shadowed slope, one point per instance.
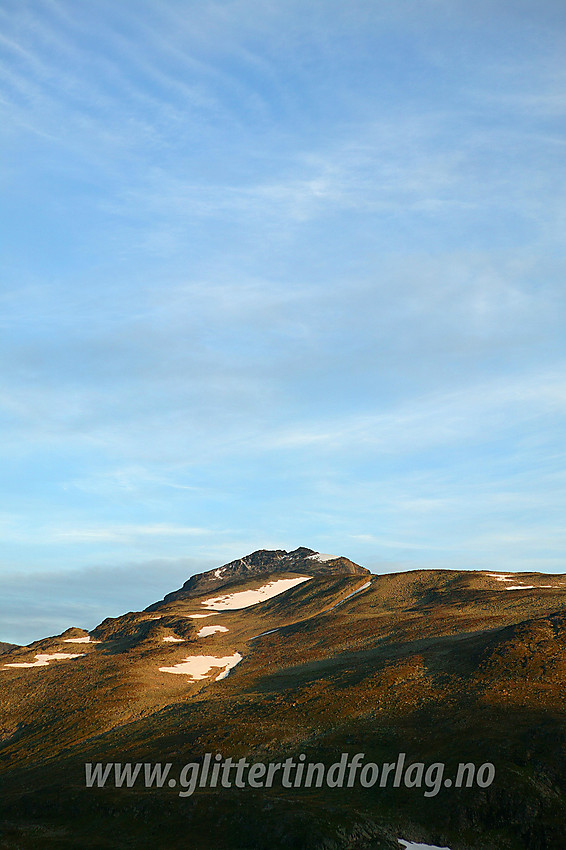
[[445, 665]]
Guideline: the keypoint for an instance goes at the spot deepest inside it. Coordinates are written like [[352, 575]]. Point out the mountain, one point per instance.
[[302, 656], [6, 647], [263, 563]]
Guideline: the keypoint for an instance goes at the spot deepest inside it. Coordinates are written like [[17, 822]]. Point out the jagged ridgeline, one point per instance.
[[297, 654], [265, 562]]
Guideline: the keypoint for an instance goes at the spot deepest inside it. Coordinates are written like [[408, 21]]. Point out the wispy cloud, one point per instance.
[[48, 602], [476, 413], [124, 533], [14, 528], [282, 274]]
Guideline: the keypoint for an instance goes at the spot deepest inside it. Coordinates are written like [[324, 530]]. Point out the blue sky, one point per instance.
[[277, 274]]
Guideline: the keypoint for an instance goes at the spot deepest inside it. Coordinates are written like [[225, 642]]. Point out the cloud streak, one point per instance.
[[281, 274], [50, 602]]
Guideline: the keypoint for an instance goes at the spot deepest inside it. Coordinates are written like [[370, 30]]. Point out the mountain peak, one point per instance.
[[261, 563]]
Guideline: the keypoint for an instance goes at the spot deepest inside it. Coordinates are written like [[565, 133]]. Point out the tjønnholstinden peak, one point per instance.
[[279, 654], [261, 564]]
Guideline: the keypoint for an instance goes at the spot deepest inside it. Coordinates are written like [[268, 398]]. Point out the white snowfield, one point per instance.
[[245, 598], [270, 632], [199, 616], [507, 577], [319, 556], [410, 845], [86, 639], [353, 593], [199, 666], [43, 660], [210, 630], [171, 639]]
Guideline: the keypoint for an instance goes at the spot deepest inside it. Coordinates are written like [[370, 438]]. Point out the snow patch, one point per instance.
[[198, 666], [245, 598], [171, 639], [86, 639], [507, 577], [319, 556], [270, 632], [43, 660], [218, 573], [353, 593], [210, 630], [236, 658], [410, 845], [199, 616]]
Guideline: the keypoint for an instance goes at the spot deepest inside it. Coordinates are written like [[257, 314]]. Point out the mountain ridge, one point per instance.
[[290, 653], [261, 563]]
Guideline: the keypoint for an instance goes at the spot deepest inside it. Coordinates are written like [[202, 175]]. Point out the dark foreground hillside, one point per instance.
[[444, 666]]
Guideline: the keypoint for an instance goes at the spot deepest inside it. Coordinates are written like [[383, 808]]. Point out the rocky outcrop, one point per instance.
[[264, 562]]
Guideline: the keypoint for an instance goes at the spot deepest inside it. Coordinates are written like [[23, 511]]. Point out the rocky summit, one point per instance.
[[262, 563], [298, 656]]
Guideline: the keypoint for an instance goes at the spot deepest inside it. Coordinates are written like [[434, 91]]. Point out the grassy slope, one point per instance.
[[445, 666]]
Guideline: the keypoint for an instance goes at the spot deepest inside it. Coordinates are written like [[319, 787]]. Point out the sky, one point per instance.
[[276, 273]]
